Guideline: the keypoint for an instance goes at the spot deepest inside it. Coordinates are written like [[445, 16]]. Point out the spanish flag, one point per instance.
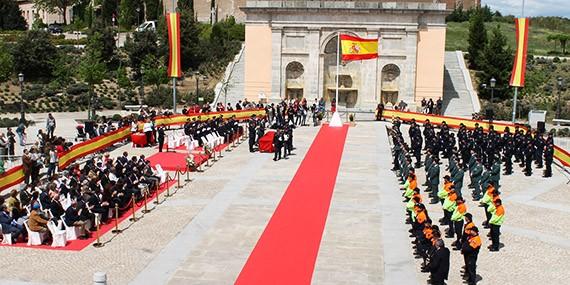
[[173, 24], [519, 66], [355, 48]]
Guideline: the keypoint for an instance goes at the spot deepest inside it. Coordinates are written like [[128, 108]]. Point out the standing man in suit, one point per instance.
[[160, 137], [251, 127], [277, 144], [439, 264]]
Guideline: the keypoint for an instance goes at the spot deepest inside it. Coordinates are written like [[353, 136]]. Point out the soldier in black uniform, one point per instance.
[[548, 159], [160, 137], [251, 127], [528, 156], [508, 151], [278, 144], [539, 148]]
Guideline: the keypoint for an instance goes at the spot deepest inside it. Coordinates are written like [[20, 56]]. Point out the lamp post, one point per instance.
[[197, 75], [21, 80], [493, 81], [559, 79]]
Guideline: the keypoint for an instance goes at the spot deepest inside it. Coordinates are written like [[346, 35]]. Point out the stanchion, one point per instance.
[[116, 230], [157, 202], [168, 178], [146, 210], [178, 186], [188, 175], [98, 243], [134, 218], [214, 153]]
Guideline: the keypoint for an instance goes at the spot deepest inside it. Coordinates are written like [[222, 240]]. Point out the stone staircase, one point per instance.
[[230, 90], [459, 97]]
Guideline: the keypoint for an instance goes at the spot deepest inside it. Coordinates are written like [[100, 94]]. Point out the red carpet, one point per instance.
[[172, 161], [287, 250], [77, 245]]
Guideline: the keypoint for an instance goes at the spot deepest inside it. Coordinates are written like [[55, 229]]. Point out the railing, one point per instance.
[[345, 5]]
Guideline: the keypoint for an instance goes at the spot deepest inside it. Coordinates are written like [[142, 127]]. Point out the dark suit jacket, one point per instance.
[[439, 265]]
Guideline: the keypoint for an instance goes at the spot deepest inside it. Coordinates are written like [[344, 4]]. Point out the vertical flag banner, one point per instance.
[[519, 66], [355, 48], [173, 24]]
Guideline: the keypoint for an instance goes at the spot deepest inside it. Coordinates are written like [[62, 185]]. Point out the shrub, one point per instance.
[[77, 89], [116, 117], [564, 132]]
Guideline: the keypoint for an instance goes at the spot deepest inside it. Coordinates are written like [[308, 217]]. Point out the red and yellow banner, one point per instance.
[[15, 175], [519, 65], [173, 24], [355, 48]]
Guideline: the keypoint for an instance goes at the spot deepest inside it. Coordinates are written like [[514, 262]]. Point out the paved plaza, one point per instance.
[[205, 232]]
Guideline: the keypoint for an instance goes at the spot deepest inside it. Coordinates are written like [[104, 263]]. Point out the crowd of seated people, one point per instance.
[[218, 127], [79, 194]]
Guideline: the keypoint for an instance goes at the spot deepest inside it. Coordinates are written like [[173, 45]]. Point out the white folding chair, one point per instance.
[[34, 238], [6, 238], [71, 232], [160, 173], [66, 202], [58, 235]]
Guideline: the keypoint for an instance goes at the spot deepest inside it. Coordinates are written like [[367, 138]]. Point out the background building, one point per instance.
[[290, 50], [30, 12]]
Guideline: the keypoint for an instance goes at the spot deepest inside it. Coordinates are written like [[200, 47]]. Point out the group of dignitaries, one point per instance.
[[198, 130], [282, 140], [481, 154]]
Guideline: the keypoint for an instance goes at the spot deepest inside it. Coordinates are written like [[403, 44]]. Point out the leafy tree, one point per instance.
[[127, 13], [56, 6], [32, 55], [152, 9], [186, 5], [92, 71], [190, 47], [477, 38], [64, 69], [11, 16], [6, 63], [137, 48], [497, 62], [108, 10], [154, 72], [103, 40], [561, 38]]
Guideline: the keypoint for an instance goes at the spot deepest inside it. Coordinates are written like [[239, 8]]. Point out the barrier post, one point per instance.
[[188, 174], [214, 153], [134, 218], [178, 172], [157, 202], [99, 278], [116, 230], [146, 210], [98, 243]]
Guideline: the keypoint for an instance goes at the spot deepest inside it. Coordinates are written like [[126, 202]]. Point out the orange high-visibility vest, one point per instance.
[[475, 242]]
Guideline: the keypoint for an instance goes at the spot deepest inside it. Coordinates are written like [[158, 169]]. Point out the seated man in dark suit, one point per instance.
[[73, 217], [9, 226]]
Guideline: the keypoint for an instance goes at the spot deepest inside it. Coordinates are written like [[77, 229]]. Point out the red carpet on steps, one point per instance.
[[78, 245], [287, 250]]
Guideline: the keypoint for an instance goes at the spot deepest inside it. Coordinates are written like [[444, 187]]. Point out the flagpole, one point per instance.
[[335, 120], [173, 78], [515, 105], [337, 68]]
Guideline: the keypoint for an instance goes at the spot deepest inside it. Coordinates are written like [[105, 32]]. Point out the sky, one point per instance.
[[532, 7]]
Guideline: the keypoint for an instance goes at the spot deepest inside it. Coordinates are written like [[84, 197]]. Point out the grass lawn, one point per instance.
[[458, 34]]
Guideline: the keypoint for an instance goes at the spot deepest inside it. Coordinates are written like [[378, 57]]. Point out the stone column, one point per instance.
[[312, 68], [276, 70]]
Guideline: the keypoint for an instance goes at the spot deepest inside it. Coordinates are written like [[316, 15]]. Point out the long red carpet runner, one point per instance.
[[287, 250]]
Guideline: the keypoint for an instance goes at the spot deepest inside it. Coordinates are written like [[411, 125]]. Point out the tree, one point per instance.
[[127, 13], [137, 48], [154, 72], [11, 16], [561, 38], [497, 62], [108, 10], [64, 69], [152, 9], [56, 6], [92, 71], [477, 38], [190, 50], [32, 55], [103, 40], [6, 63], [186, 5]]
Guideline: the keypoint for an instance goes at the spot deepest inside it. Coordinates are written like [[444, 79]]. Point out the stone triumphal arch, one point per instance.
[[291, 50]]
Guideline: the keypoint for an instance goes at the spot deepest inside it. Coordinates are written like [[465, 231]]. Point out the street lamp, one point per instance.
[[493, 82], [197, 75], [21, 80], [559, 79]]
